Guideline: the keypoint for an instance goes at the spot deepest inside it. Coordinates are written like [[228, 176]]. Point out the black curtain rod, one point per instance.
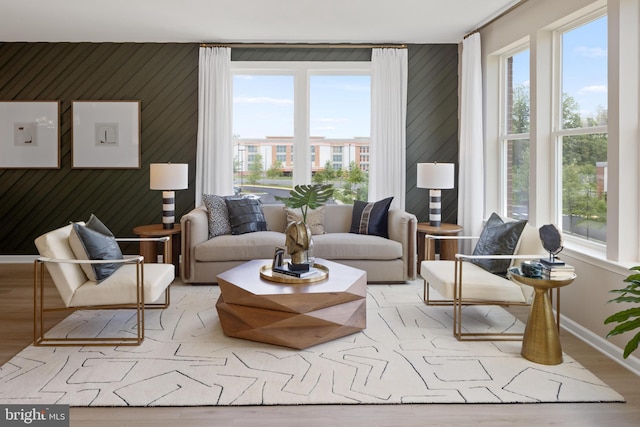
[[304, 45]]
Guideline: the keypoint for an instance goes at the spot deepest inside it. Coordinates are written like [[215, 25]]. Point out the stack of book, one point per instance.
[[285, 271], [556, 269]]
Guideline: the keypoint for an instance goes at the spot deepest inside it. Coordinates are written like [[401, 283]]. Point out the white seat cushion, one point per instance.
[[477, 283], [355, 246], [120, 287]]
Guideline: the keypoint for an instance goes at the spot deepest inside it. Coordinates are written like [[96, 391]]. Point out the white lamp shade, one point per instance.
[[169, 176], [435, 175]]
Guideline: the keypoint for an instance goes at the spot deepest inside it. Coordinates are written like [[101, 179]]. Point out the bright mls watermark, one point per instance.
[[34, 415]]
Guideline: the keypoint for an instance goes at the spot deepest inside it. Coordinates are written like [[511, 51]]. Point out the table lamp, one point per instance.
[[435, 177], [169, 177]]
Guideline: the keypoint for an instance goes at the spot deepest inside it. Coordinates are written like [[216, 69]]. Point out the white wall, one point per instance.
[[584, 303]]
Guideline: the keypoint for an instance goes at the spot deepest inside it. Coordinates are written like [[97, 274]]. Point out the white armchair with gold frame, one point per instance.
[[462, 283], [134, 285]]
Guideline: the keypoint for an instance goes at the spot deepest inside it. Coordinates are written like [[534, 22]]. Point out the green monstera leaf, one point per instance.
[[307, 197], [628, 319]]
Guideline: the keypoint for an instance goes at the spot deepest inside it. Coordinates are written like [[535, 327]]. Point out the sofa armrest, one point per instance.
[[402, 227], [195, 230]]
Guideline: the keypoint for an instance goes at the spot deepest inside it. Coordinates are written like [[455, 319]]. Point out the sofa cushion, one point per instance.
[[245, 215], [315, 218], [355, 246], [498, 238], [242, 247], [371, 218], [218, 215], [94, 241], [337, 218]]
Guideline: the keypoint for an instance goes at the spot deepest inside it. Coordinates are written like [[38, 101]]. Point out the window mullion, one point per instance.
[[301, 149]]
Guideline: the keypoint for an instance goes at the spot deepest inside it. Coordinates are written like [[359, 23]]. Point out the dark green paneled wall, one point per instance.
[[432, 123], [165, 78]]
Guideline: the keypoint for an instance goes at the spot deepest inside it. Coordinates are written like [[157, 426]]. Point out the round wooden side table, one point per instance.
[[149, 250], [448, 247], [541, 342]]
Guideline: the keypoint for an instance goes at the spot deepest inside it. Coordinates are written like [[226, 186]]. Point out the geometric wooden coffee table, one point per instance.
[[292, 315]]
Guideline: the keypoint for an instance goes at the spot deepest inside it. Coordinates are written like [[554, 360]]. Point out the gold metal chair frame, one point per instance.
[[458, 302], [39, 309]]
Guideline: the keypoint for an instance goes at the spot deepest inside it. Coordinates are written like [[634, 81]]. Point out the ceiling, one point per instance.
[[261, 21]]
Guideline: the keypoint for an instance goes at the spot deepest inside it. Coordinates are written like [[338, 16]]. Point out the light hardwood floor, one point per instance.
[[16, 311]]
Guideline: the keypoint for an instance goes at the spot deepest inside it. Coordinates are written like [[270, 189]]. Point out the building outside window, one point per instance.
[[279, 108], [281, 154]]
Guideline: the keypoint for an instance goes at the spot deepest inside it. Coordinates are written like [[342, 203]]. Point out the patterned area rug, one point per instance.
[[406, 354]]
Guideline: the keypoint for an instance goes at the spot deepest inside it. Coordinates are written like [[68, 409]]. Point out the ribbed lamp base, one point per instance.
[[435, 208], [168, 209]]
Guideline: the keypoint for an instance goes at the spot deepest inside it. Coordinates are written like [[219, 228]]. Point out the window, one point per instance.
[[514, 134], [279, 108], [364, 157], [581, 134]]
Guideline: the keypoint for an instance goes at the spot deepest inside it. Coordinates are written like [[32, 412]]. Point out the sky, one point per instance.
[[584, 65], [263, 105]]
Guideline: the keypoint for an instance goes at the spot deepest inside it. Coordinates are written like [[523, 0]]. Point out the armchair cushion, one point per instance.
[[371, 218], [477, 283], [94, 241], [120, 287], [498, 238], [67, 277]]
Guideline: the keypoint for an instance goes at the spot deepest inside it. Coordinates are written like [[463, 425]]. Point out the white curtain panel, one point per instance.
[[388, 125], [471, 175], [214, 154]]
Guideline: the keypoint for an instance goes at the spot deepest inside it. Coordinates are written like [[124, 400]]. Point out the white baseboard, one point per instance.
[[605, 347], [17, 259]]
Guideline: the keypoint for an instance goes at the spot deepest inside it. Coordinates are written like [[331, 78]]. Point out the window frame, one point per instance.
[[504, 137], [558, 132], [302, 71]]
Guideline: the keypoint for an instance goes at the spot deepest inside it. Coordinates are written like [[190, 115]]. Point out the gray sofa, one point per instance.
[[391, 260]]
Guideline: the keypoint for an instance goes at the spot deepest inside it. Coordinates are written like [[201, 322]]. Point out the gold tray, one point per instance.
[[267, 274]]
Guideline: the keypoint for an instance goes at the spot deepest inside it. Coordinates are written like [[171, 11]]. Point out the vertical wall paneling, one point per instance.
[[432, 122], [163, 76]]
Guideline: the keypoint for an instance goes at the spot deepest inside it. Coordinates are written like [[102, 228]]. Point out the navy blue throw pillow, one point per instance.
[[98, 243], [371, 218]]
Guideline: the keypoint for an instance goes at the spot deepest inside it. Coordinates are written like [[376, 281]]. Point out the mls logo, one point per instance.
[[37, 415]]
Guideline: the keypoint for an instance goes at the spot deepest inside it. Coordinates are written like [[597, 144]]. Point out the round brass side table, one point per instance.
[[541, 343]]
